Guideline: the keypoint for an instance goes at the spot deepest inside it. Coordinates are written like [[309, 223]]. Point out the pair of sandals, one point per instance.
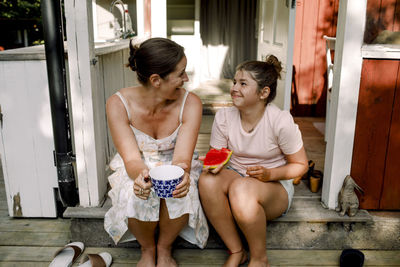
[[66, 256]]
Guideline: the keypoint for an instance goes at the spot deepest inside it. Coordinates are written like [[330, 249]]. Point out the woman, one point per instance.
[[268, 152], [152, 124]]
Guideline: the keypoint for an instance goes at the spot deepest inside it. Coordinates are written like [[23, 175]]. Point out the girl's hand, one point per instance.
[[182, 189], [142, 185], [215, 170], [259, 172]]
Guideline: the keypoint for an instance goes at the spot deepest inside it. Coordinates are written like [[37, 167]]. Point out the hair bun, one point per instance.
[[273, 61], [132, 56]]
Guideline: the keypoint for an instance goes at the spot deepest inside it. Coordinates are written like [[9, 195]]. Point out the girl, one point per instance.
[[268, 152]]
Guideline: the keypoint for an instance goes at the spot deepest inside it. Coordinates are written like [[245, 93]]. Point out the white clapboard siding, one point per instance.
[[26, 143]]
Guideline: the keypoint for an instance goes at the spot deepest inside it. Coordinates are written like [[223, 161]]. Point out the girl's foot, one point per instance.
[[148, 258], [164, 257], [236, 258]]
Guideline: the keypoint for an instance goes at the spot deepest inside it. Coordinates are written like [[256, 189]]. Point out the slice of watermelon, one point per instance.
[[215, 157]]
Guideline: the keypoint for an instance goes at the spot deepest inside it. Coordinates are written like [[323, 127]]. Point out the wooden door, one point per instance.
[[276, 36], [26, 139], [376, 153], [314, 19]]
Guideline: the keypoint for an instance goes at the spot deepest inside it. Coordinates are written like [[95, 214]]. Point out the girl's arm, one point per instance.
[[186, 140], [297, 165]]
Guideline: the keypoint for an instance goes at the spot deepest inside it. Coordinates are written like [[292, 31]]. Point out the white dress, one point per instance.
[[125, 204]]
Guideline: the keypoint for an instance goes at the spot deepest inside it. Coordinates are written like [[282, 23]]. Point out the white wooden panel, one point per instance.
[[276, 36], [386, 51], [281, 24], [130, 77], [113, 72], [100, 133], [83, 82], [344, 98], [268, 21], [27, 138]]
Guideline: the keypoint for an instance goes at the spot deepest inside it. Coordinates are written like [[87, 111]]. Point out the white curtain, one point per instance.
[[227, 30]]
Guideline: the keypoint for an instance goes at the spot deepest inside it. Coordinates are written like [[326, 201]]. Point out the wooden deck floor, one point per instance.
[[32, 242]]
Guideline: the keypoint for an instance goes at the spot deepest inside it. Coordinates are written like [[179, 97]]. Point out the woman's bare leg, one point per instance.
[[169, 230], [253, 203], [144, 233], [213, 191]]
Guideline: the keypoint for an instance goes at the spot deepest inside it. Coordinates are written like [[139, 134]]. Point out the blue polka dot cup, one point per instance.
[[165, 178]]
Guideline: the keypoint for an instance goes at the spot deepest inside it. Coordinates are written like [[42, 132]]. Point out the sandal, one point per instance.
[[102, 259], [64, 257]]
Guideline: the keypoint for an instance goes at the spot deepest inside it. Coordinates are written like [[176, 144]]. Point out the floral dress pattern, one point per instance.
[[125, 204]]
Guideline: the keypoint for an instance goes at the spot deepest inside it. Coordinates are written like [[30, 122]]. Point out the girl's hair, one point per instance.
[[154, 56], [265, 73]]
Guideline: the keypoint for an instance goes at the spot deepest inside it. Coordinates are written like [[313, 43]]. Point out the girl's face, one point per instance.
[[172, 83], [244, 91]]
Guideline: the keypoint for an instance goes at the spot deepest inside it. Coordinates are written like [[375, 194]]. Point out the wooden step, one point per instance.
[[307, 225], [306, 207], [42, 256]]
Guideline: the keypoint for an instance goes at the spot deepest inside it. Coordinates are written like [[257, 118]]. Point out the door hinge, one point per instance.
[[94, 61], [1, 118]]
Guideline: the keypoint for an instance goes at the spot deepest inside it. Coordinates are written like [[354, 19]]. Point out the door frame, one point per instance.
[[344, 98]]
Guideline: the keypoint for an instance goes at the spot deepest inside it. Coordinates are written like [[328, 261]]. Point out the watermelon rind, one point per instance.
[[219, 151]]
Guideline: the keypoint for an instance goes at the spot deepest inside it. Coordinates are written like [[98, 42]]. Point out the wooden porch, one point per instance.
[[32, 242]]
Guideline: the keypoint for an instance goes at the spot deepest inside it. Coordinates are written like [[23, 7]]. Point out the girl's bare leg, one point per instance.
[[253, 203], [169, 230], [213, 191], [144, 233]]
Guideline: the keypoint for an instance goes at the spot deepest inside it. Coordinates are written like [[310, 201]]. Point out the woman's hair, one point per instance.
[[265, 73], [154, 56]]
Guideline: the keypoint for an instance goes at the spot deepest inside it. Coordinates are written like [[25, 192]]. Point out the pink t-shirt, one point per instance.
[[275, 136]]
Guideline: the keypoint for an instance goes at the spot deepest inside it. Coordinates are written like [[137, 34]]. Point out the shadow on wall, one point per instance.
[[382, 22]]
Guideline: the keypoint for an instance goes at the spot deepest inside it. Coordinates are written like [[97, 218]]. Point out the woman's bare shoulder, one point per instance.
[[193, 99]]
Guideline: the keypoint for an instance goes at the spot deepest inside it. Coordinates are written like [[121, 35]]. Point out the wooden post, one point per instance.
[[344, 98], [90, 160]]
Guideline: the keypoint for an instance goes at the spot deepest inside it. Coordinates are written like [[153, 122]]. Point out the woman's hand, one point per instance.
[[182, 189], [142, 185], [214, 170], [259, 172]]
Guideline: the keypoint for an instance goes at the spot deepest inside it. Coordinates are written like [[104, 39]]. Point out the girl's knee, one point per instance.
[[240, 189], [243, 201], [207, 182]]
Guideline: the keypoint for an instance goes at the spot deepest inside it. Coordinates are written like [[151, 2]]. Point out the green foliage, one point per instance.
[[20, 9]]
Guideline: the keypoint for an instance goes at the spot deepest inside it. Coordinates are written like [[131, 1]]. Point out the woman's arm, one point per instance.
[[188, 132], [123, 137], [297, 165], [186, 141]]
